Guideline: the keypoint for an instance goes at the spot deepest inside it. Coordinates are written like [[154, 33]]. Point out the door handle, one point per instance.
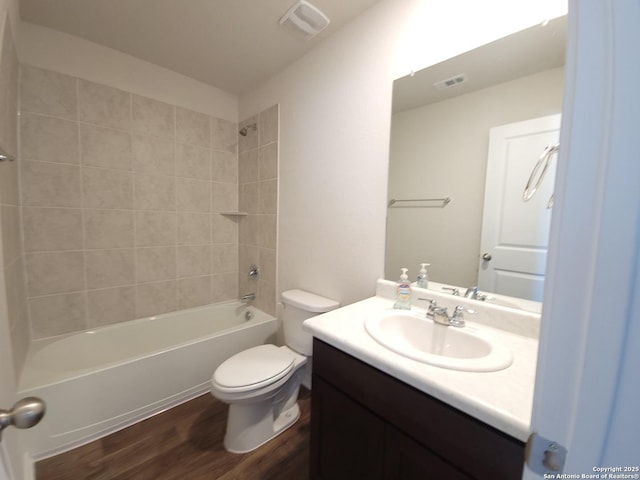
[[486, 256], [24, 414]]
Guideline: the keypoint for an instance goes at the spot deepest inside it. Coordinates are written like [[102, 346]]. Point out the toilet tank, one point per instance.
[[298, 306]]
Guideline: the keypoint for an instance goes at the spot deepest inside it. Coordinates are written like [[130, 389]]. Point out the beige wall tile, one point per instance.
[[15, 291], [151, 117], [224, 167], [269, 196], [267, 264], [194, 291], [193, 260], [194, 228], [156, 298], [224, 197], [155, 192], [153, 155], [103, 105], [266, 297], [248, 167], [20, 341], [9, 194], [103, 188], [48, 229], [193, 195], [249, 197], [155, 264], [224, 287], [51, 93], [267, 231], [109, 268], [155, 229], [268, 160], [105, 147], [9, 93], [50, 184], [248, 230], [224, 258], [268, 129], [48, 139], [193, 128], [224, 229], [224, 135], [193, 162], [57, 314], [10, 224], [108, 228], [110, 305], [55, 272], [249, 141]]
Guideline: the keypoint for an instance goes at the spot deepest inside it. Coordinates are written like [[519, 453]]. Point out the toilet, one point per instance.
[[261, 384]]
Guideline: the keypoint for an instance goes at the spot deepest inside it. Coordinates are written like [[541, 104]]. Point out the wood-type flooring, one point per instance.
[[185, 443]]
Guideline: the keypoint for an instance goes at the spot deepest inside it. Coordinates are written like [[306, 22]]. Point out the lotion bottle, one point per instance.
[[423, 277], [403, 292]]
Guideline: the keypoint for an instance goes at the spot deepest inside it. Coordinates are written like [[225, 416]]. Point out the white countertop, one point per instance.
[[502, 399]]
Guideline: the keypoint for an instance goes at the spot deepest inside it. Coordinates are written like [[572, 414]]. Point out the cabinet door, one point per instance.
[[406, 459], [347, 441]]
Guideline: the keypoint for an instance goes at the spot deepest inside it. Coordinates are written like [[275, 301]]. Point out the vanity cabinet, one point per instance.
[[368, 425]]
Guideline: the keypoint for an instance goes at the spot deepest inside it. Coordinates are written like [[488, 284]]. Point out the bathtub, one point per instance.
[[99, 381]]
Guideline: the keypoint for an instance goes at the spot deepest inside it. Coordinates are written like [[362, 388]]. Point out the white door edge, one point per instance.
[[589, 308]]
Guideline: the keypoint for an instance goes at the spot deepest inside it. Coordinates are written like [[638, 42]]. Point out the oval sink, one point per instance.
[[416, 337]]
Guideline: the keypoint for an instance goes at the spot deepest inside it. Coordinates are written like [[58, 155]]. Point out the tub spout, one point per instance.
[[248, 298]]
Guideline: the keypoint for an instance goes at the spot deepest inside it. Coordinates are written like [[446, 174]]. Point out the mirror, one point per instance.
[[439, 145]]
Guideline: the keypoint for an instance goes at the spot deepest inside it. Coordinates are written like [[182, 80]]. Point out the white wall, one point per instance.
[[334, 122], [440, 150], [46, 48]]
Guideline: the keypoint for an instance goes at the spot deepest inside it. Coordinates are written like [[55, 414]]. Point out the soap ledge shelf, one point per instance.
[[235, 214]]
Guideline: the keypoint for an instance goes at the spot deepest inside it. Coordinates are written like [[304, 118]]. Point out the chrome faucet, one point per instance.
[[440, 315], [248, 298], [474, 294]]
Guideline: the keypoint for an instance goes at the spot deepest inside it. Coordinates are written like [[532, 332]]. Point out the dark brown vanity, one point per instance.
[[367, 425]]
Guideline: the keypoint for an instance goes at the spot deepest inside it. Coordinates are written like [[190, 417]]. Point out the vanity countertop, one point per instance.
[[502, 399]]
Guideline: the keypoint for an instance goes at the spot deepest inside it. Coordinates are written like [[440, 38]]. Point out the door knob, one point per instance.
[[486, 256], [24, 414]]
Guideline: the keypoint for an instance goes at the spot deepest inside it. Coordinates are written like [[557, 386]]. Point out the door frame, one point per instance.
[[583, 398]]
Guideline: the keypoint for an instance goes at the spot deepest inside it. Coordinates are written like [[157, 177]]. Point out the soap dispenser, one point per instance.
[[423, 278], [403, 292]]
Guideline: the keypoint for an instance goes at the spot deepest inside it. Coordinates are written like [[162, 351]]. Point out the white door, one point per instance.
[[7, 381], [515, 233]]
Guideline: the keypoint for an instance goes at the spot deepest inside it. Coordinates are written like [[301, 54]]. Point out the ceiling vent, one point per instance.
[[450, 82], [305, 18]]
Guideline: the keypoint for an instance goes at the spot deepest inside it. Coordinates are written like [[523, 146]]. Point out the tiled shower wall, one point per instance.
[[258, 187], [121, 202], [12, 260]]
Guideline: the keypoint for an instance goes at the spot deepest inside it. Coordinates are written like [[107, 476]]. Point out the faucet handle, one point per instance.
[[454, 291], [433, 305], [457, 319]]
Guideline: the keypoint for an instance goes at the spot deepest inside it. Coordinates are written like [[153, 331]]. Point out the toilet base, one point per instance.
[[250, 426]]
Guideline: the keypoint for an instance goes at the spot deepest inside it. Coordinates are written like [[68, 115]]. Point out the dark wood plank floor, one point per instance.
[[185, 443]]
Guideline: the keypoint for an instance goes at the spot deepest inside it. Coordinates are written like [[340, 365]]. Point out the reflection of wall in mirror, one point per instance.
[[440, 150]]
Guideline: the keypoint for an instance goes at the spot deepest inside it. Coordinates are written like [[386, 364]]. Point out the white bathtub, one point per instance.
[[100, 381]]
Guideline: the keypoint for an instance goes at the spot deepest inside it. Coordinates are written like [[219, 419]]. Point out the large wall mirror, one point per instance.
[[445, 118]]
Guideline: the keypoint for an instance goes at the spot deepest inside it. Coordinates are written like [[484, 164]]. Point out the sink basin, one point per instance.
[[416, 337]]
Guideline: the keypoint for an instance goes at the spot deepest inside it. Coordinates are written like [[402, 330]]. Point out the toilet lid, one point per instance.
[[253, 368]]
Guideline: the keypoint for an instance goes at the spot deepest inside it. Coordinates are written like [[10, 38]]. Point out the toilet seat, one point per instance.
[[252, 369]]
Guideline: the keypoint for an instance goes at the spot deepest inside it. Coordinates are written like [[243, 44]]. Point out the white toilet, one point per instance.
[[261, 384]]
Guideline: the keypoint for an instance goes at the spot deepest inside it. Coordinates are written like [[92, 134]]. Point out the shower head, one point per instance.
[[244, 130]]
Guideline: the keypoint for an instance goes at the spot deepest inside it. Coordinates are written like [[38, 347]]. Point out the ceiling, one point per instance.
[[231, 44]]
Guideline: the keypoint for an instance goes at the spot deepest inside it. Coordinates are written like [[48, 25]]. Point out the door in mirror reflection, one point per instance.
[[515, 232]]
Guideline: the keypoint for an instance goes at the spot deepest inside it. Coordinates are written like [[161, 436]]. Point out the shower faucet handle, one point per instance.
[[254, 272]]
